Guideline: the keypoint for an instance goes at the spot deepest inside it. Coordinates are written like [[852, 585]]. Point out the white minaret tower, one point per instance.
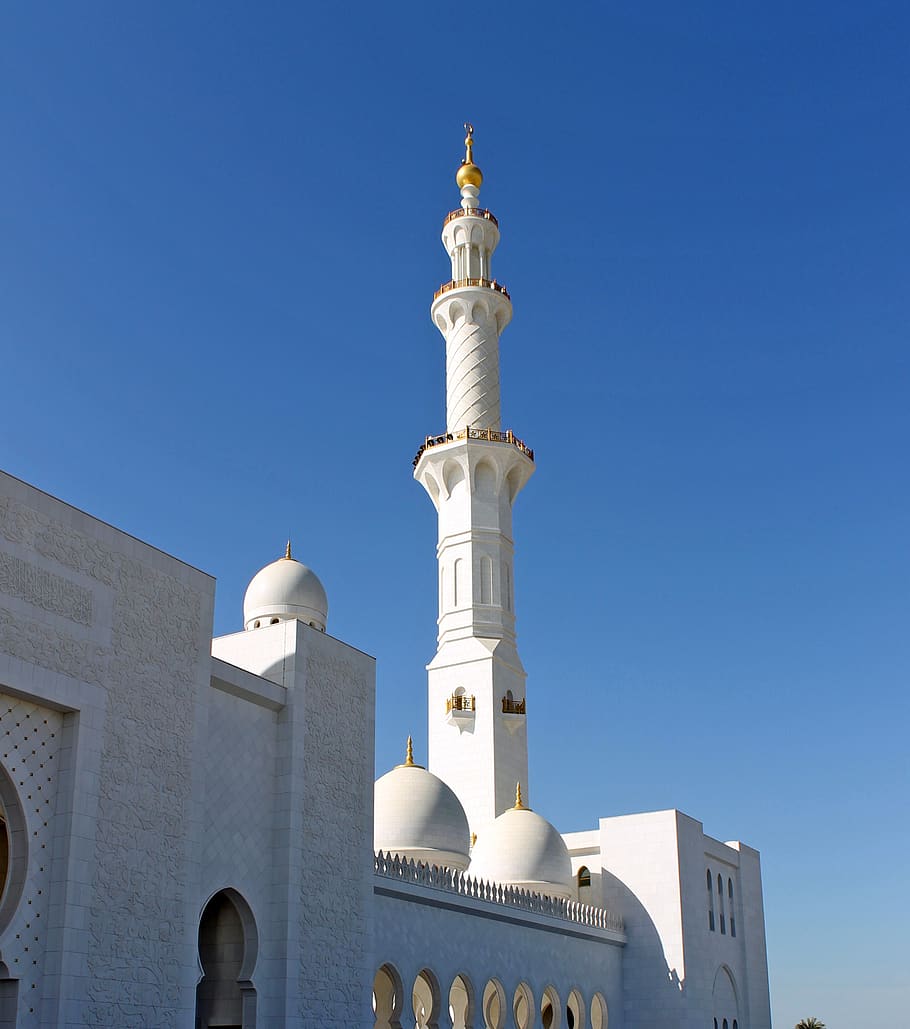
[[478, 741]]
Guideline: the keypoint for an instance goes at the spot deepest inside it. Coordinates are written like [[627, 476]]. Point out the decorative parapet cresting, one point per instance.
[[450, 880], [492, 435], [497, 287]]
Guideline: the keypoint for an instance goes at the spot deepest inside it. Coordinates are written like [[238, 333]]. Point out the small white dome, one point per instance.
[[522, 849], [283, 590], [417, 816]]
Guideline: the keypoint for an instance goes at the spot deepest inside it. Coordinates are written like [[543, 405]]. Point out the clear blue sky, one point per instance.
[[218, 244]]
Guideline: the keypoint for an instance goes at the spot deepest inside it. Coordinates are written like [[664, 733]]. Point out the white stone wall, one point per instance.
[[419, 928], [114, 634], [319, 970], [653, 872], [32, 738]]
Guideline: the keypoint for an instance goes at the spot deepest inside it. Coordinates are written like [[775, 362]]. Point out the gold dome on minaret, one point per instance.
[[468, 173]]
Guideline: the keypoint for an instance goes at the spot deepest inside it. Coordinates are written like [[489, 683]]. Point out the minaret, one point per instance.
[[478, 740]]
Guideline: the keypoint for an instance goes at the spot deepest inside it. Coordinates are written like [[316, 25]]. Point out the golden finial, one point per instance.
[[409, 761], [473, 838], [468, 143], [287, 552], [519, 803], [468, 174]]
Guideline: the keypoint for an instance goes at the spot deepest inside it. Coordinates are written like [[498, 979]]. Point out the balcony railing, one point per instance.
[[512, 707], [462, 283], [459, 702], [471, 212], [468, 433]]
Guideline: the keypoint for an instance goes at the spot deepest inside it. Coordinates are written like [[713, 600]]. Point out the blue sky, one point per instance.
[[218, 244]]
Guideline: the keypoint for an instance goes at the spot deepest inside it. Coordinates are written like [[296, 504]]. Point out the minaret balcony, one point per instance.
[[497, 287], [511, 706], [513, 712], [471, 212], [460, 710], [492, 435]]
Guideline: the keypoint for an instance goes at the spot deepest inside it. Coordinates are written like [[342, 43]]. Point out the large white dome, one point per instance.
[[283, 590], [522, 849], [417, 816]]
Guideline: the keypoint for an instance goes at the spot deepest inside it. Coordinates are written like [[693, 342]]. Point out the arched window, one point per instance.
[[600, 1015], [720, 906], [425, 999], [550, 1009], [735, 1026], [732, 910], [711, 904], [584, 876], [715, 1023], [461, 1002], [486, 580], [494, 1005], [523, 1006], [725, 1024], [575, 1011], [388, 995]]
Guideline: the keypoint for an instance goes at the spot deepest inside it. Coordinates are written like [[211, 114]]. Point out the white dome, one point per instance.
[[522, 849], [283, 590], [417, 816]]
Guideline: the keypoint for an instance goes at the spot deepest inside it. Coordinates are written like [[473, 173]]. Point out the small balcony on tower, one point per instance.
[[513, 711], [460, 709]]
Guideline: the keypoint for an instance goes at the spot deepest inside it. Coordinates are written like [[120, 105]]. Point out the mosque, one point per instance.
[[191, 835]]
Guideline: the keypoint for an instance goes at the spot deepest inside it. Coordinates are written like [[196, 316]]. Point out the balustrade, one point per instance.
[[450, 880], [463, 283], [492, 435], [471, 212]]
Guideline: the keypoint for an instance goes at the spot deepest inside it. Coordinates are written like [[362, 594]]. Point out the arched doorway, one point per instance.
[[228, 944], [726, 1007]]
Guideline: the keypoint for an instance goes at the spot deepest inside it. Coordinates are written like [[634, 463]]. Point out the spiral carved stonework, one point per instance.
[[472, 373]]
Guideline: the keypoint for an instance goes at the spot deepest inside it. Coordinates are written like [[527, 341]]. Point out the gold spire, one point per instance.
[[287, 552], [468, 174], [409, 761], [519, 803]]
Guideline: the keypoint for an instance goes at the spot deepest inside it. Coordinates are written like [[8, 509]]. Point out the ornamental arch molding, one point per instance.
[[16, 833]]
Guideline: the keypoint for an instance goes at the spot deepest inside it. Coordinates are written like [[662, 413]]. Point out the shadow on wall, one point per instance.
[[644, 960]]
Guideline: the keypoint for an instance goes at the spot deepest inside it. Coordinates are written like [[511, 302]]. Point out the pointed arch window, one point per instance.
[[584, 876], [486, 580], [710, 902], [720, 907], [732, 912]]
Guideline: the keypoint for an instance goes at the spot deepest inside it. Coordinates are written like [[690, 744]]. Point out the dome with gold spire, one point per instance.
[[523, 849], [418, 817], [282, 590]]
